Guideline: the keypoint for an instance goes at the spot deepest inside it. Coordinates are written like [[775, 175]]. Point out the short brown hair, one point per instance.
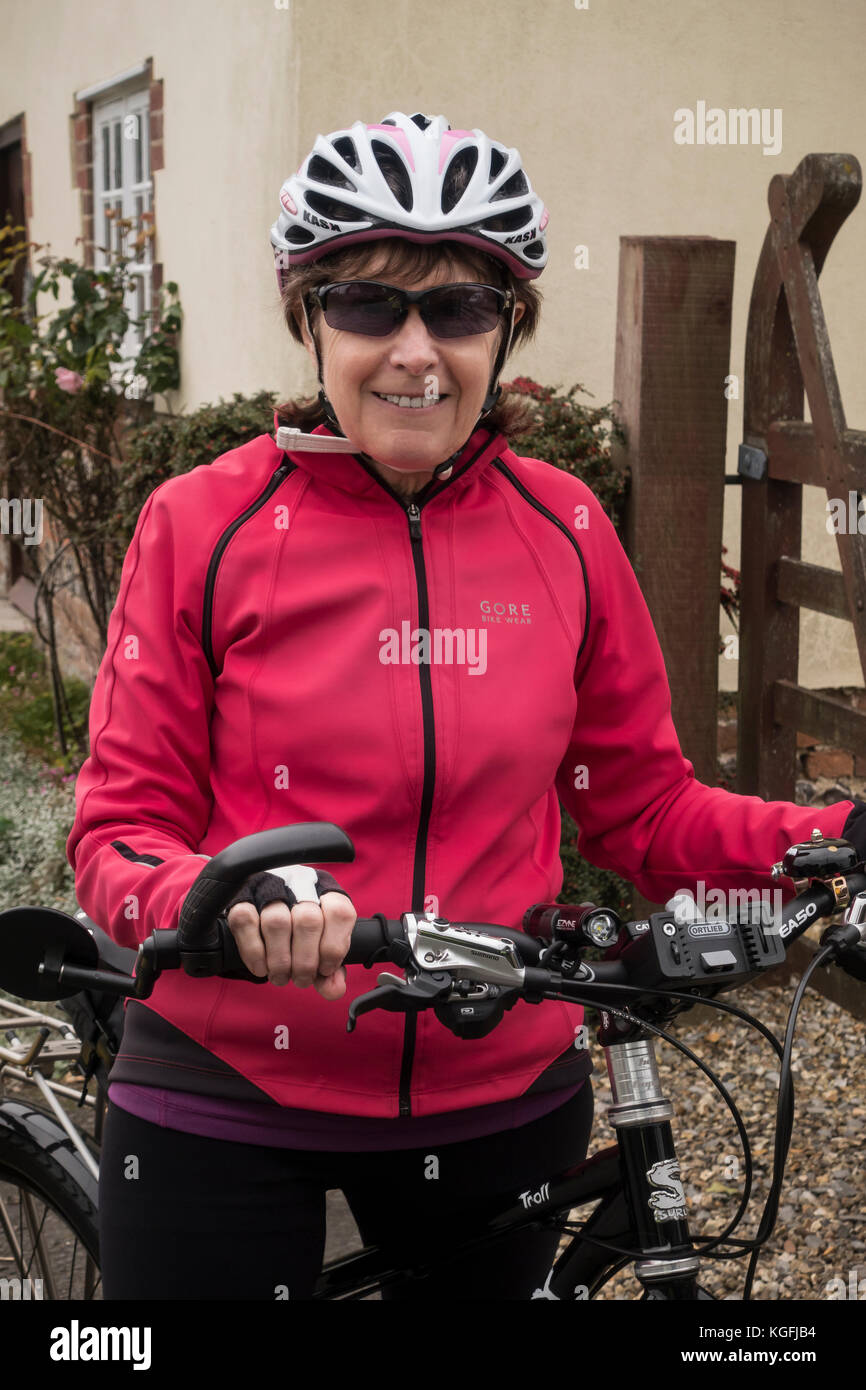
[[512, 415]]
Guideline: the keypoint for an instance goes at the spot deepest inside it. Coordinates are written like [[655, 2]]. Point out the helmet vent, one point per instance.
[[509, 221], [457, 176], [513, 187], [300, 236], [345, 146], [394, 172], [330, 208], [421, 120], [534, 250], [321, 171], [497, 162]]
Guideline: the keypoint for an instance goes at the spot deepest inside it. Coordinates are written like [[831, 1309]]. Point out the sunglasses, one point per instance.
[[375, 309]]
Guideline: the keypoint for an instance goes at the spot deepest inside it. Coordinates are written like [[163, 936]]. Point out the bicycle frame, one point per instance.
[[640, 1205], [19, 1063]]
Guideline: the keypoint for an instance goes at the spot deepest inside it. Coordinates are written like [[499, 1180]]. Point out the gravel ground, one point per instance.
[[820, 1234]]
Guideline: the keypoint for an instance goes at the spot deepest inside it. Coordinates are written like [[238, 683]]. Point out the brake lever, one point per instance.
[[400, 996]]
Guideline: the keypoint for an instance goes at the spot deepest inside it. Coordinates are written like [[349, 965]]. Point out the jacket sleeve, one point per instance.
[[639, 809], [142, 797]]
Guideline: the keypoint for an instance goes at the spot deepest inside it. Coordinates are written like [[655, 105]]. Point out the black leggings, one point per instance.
[[214, 1219]]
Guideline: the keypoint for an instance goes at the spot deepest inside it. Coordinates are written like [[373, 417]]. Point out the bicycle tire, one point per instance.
[[50, 1179]]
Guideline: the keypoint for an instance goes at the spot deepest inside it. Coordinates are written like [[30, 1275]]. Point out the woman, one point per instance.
[[430, 641]]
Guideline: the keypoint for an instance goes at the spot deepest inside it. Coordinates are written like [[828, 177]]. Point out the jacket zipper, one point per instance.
[[275, 481], [414, 516]]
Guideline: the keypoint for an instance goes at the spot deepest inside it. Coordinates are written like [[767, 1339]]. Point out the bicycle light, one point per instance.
[[583, 925]]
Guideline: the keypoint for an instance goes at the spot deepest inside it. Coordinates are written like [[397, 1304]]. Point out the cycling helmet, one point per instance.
[[412, 177]]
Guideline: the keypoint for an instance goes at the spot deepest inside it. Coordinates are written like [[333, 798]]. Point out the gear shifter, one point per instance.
[[400, 996]]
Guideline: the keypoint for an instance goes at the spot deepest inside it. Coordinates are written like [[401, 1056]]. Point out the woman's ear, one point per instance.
[[519, 311]]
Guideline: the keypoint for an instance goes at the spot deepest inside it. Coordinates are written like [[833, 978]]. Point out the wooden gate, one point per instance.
[[787, 349]]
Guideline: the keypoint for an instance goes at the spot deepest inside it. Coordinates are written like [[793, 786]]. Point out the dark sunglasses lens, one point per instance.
[[361, 308], [456, 311]]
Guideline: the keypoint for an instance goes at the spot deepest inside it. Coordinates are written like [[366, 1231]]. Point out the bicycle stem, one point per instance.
[[641, 1115]]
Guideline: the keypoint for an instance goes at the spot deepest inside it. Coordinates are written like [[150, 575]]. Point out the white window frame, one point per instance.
[[122, 180]]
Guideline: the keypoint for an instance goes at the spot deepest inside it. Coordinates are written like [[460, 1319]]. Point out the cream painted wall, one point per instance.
[[587, 95], [230, 93]]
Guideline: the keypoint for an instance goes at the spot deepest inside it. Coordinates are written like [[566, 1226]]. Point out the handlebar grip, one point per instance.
[[233, 967], [372, 938], [375, 939], [197, 927]]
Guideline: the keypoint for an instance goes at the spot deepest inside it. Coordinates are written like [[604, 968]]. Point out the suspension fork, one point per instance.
[[641, 1116]]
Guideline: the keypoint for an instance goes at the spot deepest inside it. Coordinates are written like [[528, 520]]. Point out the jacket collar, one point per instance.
[[353, 473]]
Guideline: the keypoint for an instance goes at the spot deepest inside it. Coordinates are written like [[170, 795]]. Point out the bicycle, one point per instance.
[[646, 972], [49, 1245]]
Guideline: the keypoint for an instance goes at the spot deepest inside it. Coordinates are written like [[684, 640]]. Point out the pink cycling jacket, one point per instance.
[[267, 664]]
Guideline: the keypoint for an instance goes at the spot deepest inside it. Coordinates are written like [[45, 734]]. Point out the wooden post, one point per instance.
[[672, 360]]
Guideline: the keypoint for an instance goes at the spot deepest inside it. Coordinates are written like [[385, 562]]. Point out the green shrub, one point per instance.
[[38, 807], [577, 438], [169, 445], [26, 704], [582, 882]]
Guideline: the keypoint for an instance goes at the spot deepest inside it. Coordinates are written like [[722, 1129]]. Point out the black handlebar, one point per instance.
[[205, 945], [451, 963]]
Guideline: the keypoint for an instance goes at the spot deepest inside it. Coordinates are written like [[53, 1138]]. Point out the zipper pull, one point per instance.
[[414, 521]]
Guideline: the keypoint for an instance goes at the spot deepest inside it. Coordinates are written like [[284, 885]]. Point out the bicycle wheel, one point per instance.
[[49, 1240]]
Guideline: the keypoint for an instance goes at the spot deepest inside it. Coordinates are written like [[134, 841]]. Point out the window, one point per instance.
[[123, 188]]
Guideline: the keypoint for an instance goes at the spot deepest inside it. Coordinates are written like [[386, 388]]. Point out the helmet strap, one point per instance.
[[327, 409]]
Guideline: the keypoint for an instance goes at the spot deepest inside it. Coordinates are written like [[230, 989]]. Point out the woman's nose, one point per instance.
[[414, 346]]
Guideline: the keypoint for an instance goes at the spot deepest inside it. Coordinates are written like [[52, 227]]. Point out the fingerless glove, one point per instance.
[[261, 889]]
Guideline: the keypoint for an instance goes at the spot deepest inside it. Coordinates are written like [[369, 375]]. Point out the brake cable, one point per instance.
[[784, 1116], [716, 1081]]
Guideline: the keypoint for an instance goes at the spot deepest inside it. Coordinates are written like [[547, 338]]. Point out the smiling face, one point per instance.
[[406, 441]]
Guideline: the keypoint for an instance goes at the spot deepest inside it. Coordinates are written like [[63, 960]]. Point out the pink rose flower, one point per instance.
[[67, 380]]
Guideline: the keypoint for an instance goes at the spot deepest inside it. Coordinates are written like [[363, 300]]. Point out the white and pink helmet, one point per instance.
[[412, 177]]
